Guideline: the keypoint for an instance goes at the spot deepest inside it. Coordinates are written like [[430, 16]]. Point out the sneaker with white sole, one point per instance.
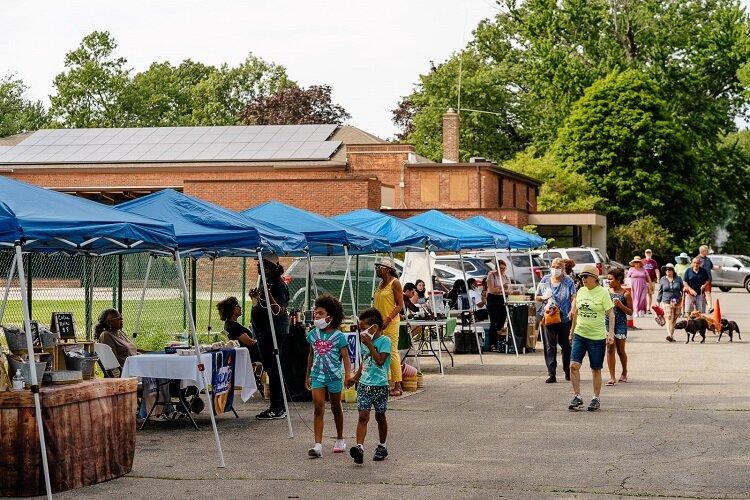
[[316, 451], [575, 403], [339, 446], [357, 453], [269, 414], [594, 404], [380, 453]]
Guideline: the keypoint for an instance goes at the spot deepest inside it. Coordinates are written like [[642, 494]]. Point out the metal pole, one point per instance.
[[434, 310], [194, 287], [275, 343], [119, 283], [90, 297], [346, 274], [143, 297], [7, 289], [312, 276], [531, 266], [306, 302], [183, 287], [507, 308], [29, 292], [32, 368], [476, 333], [351, 286], [244, 286], [211, 293]]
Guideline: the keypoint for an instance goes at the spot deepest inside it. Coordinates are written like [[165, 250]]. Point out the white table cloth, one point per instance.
[[185, 368]]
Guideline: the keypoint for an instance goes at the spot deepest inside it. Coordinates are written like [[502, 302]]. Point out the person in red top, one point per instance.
[[652, 268]]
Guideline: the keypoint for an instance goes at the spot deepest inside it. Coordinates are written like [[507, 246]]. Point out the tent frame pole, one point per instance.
[[32, 367], [196, 344], [434, 312], [275, 342], [355, 317], [507, 307], [466, 284], [7, 288], [211, 295]]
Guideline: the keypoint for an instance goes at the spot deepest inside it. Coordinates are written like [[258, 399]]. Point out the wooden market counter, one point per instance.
[[89, 429]]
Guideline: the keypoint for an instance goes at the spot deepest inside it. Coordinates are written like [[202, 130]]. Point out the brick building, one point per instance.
[[327, 169]]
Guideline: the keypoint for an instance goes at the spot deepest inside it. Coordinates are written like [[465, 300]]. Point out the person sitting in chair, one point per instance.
[[229, 311], [109, 331]]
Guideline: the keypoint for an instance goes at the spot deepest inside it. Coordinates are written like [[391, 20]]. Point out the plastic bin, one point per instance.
[[519, 323]]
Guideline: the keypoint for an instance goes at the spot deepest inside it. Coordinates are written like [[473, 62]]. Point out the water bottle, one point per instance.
[[18, 381]]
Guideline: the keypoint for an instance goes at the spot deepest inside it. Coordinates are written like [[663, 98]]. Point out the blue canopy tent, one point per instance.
[[517, 238], [205, 229], [471, 238], [33, 219], [324, 236]]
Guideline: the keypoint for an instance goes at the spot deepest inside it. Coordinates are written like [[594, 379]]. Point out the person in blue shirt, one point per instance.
[[372, 377], [696, 279], [328, 349]]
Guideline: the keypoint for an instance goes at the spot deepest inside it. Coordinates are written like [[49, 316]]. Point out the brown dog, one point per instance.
[[710, 321]]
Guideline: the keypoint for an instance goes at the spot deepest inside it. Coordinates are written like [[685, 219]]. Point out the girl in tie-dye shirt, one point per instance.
[[328, 351]]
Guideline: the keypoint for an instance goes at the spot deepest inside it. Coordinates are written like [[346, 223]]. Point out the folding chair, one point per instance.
[[448, 334], [107, 361]]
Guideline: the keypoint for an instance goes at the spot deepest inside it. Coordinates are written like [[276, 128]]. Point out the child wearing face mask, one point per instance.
[[328, 350], [372, 377]]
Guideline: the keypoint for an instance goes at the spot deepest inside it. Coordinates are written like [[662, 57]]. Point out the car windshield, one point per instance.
[[523, 261]]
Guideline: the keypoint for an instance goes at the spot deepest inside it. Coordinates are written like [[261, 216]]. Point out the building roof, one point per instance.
[[262, 143]]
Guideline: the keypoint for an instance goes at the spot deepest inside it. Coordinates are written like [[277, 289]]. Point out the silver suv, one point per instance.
[[519, 268], [582, 256], [734, 272]]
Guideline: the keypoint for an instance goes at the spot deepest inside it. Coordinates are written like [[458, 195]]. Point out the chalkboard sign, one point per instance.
[[35, 338], [62, 323]]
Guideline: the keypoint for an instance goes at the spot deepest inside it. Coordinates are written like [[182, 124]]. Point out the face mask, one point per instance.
[[367, 332], [556, 272], [321, 323]]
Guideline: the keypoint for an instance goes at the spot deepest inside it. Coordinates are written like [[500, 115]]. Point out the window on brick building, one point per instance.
[[459, 187], [429, 185]]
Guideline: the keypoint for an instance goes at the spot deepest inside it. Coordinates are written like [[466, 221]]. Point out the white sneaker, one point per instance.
[[316, 451], [339, 446]]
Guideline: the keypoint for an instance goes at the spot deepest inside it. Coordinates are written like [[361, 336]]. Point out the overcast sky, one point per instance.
[[369, 52]]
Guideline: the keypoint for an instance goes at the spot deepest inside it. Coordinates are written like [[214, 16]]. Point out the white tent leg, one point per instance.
[[306, 302], [434, 311], [531, 266], [466, 283], [32, 368], [7, 289], [275, 343], [183, 286], [351, 286], [507, 308], [347, 259], [143, 297], [211, 295], [372, 293], [312, 276]]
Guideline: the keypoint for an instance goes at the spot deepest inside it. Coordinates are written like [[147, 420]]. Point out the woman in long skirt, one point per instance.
[[639, 281]]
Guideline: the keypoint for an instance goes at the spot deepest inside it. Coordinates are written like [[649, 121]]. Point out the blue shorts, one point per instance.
[[596, 349], [369, 396], [333, 386]]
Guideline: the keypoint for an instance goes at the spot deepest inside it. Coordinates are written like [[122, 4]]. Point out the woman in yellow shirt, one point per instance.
[[389, 300]]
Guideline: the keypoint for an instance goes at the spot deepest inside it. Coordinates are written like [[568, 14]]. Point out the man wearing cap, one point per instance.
[[708, 265], [278, 294], [652, 268], [588, 335]]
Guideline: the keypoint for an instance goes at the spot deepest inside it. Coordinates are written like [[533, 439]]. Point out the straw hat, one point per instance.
[[271, 258], [589, 270], [385, 262], [635, 259]]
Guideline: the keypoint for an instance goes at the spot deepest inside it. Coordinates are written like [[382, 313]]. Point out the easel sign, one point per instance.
[[35, 338], [62, 323]]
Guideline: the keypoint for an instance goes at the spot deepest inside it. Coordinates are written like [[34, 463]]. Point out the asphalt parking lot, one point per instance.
[[678, 429]]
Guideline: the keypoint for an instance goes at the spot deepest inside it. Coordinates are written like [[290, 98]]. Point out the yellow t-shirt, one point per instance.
[[592, 307], [385, 302]]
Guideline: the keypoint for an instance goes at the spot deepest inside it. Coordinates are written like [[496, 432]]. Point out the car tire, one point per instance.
[[725, 288], [747, 285]]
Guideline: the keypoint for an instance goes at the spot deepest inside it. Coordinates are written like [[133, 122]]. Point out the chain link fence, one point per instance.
[[86, 286]]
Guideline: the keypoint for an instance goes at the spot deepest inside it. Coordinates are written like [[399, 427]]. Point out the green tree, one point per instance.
[[88, 92], [18, 114], [622, 139], [295, 106], [489, 124], [562, 189], [221, 98], [163, 95], [644, 232]]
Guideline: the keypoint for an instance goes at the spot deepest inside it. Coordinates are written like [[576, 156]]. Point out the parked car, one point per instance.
[[734, 272], [475, 267], [582, 256], [519, 268]]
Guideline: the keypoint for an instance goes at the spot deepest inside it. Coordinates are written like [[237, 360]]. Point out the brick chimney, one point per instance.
[[450, 136]]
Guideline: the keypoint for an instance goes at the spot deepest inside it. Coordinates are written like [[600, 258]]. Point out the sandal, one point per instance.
[[670, 339], [623, 378], [610, 382], [395, 393], [493, 349]]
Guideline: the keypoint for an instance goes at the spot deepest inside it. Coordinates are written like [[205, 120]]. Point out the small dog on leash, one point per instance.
[[710, 321], [729, 327], [693, 325]]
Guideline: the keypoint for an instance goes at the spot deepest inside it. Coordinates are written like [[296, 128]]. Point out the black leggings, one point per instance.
[[559, 333], [265, 342], [498, 315]]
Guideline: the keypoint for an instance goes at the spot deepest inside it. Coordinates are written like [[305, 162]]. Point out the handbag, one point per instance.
[[551, 317]]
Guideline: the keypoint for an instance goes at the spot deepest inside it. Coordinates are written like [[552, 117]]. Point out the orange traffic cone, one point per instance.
[[717, 312]]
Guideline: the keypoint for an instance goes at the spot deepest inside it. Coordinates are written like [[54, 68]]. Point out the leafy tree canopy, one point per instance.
[[295, 106], [18, 114]]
